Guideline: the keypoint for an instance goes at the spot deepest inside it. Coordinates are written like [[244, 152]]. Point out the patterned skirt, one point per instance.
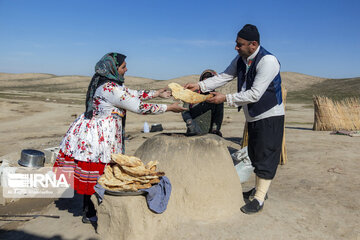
[[85, 173]]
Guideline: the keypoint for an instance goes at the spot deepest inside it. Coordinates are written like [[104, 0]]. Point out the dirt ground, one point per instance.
[[315, 195]]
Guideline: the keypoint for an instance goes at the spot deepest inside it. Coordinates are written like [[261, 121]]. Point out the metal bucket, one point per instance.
[[32, 158]]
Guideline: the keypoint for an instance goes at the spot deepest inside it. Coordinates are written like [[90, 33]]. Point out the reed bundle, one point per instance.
[[283, 156], [332, 115]]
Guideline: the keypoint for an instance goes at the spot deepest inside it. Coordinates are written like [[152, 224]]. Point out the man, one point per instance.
[[259, 93], [204, 117]]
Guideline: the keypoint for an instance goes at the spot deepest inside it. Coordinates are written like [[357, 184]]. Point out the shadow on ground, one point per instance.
[[236, 140], [232, 150], [300, 128], [20, 235], [72, 205]]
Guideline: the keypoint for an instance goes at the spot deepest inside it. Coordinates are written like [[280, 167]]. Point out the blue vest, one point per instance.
[[271, 97]]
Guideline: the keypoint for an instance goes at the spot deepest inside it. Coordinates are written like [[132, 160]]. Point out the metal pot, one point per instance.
[[32, 158]]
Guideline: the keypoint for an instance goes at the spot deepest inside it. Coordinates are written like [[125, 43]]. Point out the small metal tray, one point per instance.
[[124, 193]]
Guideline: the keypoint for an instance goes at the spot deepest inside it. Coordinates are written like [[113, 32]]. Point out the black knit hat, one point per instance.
[[250, 33]]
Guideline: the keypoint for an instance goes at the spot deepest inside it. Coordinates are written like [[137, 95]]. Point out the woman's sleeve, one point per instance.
[[124, 98], [143, 94]]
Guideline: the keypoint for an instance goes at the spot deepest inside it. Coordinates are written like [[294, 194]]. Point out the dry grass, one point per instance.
[[336, 115]]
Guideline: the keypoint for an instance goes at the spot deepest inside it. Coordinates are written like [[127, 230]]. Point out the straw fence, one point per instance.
[[332, 115], [283, 156]]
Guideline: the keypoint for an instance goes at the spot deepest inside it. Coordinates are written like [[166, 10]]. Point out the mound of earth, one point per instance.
[[205, 188]]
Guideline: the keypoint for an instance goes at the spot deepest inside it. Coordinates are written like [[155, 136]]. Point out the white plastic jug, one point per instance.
[[242, 164], [146, 127]]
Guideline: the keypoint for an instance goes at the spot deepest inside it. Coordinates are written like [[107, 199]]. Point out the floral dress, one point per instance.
[[88, 144]]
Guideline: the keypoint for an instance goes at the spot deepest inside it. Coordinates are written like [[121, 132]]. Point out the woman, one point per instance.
[[204, 117], [99, 132]]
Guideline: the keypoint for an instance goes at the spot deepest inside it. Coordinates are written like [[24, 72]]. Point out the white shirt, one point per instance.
[[266, 70]]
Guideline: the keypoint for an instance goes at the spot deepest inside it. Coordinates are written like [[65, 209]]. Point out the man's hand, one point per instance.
[[217, 98], [163, 93], [192, 86]]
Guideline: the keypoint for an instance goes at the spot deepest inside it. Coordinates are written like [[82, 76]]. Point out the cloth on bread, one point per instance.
[[157, 196]]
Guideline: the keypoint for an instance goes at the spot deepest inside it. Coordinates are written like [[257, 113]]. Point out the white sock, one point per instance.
[[262, 186]]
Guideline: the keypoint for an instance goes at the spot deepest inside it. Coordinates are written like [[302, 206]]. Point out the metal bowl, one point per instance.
[[32, 158], [156, 127], [125, 193]]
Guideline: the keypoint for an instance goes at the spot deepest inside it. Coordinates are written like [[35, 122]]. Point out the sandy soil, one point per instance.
[[314, 196]]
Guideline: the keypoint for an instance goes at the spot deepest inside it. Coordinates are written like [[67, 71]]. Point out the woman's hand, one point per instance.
[[192, 86], [175, 107], [163, 93]]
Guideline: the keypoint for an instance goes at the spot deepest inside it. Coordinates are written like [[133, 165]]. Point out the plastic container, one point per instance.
[[146, 127]]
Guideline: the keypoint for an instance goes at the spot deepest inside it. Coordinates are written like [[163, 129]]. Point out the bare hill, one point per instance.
[[300, 87], [18, 76], [336, 89], [45, 82], [39, 82], [291, 80]]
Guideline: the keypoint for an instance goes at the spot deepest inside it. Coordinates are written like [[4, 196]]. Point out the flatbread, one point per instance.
[[129, 174], [130, 187], [152, 165], [137, 171], [125, 177], [108, 172], [187, 95], [149, 177], [124, 160], [154, 181]]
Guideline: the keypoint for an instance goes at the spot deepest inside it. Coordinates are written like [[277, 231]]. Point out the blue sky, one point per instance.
[[168, 39]]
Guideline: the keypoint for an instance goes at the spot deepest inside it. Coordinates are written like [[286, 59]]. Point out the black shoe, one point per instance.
[[252, 207], [249, 195]]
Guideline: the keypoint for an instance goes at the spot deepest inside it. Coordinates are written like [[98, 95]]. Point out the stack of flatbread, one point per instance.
[[187, 95], [129, 174]]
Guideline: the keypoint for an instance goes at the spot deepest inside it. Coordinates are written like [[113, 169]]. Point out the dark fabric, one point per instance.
[[105, 71], [88, 207], [213, 112], [118, 58], [99, 192], [264, 145], [157, 197], [241, 70], [272, 95], [250, 33]]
